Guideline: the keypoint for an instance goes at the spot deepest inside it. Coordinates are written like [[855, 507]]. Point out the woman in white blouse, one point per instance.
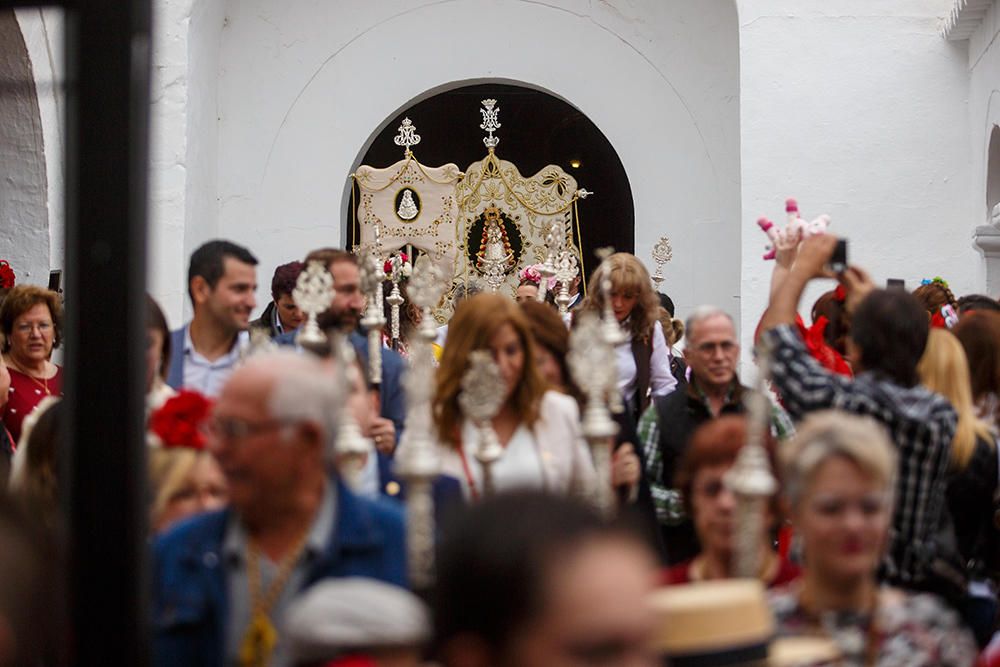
[[643, 359], [538, 428]]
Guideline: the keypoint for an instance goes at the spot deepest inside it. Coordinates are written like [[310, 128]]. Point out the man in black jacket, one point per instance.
[[281, 314], [712, 353]]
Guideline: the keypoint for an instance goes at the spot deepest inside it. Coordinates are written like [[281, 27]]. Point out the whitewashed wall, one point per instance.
[[303, 87], [859, 109], [25, 223], [984, 115]]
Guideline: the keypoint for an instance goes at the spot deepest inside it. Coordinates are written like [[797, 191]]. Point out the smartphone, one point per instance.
[[895, 283], [838, 260], [55, 280]]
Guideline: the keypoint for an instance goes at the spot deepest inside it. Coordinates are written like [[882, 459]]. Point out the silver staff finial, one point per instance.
[[662, 253], [313, 294], [566, 271], [588, 361], [425, 289], [555, 239], [352, 447], [480, 400], [407, 137], [490, 123], [374, 318]]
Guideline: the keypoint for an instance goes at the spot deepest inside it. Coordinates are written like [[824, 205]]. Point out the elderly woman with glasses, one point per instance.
[[30, 319], [839, 475]]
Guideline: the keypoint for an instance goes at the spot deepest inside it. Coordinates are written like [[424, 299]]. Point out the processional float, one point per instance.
[[450, 229]]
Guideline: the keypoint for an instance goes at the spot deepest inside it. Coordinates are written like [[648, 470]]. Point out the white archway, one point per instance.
[[300, 93]]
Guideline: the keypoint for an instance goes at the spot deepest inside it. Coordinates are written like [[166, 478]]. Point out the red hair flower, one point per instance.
[[178, 422], [7, 277], [840, 294]]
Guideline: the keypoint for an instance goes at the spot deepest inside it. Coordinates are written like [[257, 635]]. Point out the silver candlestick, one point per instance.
[[588, 361], [374, 318], [418, 464], [353, 449], [480, 400], [750, 478], [425, 289], [662, 253], [313, 294]]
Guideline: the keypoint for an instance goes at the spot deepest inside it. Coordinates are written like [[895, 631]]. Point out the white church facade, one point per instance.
[[882, 113]]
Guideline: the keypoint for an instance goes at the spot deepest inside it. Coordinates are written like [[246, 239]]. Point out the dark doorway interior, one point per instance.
[[537, 129]]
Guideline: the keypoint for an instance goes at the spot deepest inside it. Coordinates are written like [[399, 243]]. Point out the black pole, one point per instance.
[[107, 125]]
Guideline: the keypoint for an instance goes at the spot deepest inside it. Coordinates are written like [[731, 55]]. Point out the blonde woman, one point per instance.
[[945, 370], [184, 478], [643, 359], [839, 478]]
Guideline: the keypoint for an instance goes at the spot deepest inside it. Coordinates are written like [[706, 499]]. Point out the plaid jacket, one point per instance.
[[920, 423]]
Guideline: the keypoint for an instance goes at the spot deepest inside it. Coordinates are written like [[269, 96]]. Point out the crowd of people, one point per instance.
[[268, 547]]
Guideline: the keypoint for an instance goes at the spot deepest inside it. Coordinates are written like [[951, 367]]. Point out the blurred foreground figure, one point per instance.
[[31, 604], [358, 622], [839, 477], [537, 580], [223, 581]]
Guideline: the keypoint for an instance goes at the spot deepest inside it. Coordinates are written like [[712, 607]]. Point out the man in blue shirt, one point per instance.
[[222, 279]]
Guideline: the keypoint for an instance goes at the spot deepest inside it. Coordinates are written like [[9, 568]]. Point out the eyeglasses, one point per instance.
[[232, 428], [26, 328], [726, 346]]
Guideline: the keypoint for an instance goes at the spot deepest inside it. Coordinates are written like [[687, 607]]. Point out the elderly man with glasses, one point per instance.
[[712, 352], [223, 581]]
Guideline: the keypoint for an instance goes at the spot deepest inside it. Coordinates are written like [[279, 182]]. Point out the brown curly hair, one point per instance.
[[628, 275], [933, 296], [838, 326], [23, 298]]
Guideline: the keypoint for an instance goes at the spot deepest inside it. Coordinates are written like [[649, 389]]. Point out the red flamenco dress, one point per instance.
[[26, 392]]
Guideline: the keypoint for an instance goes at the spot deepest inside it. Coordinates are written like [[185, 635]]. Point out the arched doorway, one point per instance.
[[537, 129], [993, 170]]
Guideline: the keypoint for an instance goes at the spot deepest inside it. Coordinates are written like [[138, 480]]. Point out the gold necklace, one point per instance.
[[261, 637], [43, 382]]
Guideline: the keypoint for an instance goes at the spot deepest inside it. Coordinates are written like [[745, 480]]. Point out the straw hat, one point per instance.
[[727, 622]]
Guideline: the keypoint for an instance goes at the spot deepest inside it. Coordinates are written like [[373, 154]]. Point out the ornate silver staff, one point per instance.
[[374, 318], [566, 270], [353, 448], [662, 253], [417, 461], [750, 478], [610, 328], [553, 246], [398, 270], [313, 294], [480, 400], [588, 358]]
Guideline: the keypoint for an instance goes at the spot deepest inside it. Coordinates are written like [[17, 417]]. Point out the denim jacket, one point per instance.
[[189, 576]]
